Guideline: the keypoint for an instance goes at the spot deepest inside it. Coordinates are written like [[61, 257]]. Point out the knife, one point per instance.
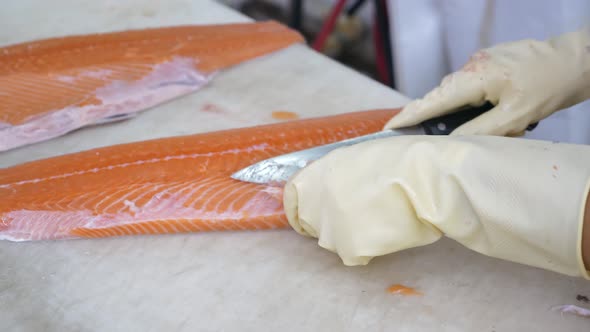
[[278, 170]]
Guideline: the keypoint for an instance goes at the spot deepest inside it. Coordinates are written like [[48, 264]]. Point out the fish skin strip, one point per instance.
[[573, 309], [53, 86], [169, 185]]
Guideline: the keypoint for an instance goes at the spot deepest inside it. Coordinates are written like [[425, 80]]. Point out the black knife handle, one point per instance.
[[445, 124]]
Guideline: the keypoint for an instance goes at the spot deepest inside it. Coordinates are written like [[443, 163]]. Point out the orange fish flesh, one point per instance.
[[168, 185], [53, 86]]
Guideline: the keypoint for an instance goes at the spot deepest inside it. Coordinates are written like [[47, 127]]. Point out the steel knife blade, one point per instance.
[[277, 170]]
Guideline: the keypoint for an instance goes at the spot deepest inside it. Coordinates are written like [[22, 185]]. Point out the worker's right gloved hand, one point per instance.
[[527, 80], [514, 199]]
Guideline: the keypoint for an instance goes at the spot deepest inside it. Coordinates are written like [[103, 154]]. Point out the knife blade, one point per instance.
[[276, 171]]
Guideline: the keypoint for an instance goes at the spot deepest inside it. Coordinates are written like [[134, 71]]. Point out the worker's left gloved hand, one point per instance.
[[527, 80], [513, 199]]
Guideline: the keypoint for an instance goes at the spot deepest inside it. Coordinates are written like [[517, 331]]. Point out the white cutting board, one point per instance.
[[246, 281]]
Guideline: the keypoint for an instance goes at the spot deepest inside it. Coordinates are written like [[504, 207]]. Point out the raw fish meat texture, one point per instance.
[[167, 185], [53, 86]]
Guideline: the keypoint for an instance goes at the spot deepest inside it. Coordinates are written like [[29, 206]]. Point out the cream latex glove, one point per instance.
[[513, 199], [527, 80]]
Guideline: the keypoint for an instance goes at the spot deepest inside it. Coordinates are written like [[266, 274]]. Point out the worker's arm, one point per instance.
[[527, 80], [513, 199]]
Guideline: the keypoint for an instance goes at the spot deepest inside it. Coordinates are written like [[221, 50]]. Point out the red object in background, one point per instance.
[[379, 55], [328, 26], [381, 36]]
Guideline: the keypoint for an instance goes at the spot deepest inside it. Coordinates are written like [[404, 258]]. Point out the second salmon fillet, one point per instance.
[[53, 86]]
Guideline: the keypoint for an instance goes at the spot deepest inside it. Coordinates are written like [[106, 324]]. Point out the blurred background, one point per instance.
[[348, 27]]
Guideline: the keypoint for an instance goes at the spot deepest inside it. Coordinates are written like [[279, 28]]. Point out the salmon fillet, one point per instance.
[[53, 86], [168, 185]]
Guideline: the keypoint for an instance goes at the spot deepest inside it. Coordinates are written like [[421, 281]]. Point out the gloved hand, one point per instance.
[[513, 199], [527, 80]]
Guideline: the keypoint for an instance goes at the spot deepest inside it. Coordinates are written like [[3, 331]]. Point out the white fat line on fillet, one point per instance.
[[258, 147]]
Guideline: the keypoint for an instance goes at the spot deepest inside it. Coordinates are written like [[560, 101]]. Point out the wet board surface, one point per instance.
[[246, 281]]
